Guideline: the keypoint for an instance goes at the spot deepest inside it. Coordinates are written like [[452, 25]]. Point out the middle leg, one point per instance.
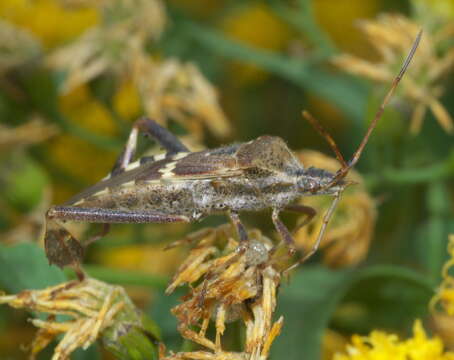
[[283, 232]]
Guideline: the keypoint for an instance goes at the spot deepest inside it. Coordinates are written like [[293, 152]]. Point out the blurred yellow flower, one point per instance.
[[127, 101], [383, 346], [148, 258], [333, 343], [17, 46], [439, 8], [48, 20], [168, 89], [443, 301], [112, 45], [392, 36], [256, 25], [347, 238], [75, 156], [338, 17]]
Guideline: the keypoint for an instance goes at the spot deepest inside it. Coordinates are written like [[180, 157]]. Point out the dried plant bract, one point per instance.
[[97, 311], [228, 283]]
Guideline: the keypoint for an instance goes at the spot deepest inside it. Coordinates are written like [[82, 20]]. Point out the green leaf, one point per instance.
[[92, 353], [314, 293], [376, 293], [160, 312], [126, 277], [25, 266], [439, 206], [307, 305], [25, 183]]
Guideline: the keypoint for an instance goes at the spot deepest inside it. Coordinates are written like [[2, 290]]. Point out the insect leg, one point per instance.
[[108, 216], [283, 232], [63, 249], [163, 136], [151, 128], [326, 219], [104, 231], [242, 234], [310, 212]]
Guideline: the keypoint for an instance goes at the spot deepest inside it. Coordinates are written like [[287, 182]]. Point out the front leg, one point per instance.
[[326, 218]]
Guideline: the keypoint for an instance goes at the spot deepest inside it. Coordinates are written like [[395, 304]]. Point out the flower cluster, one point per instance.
[[98, 311], [167, 89], [383, 346], [229, 282], [443, 301]]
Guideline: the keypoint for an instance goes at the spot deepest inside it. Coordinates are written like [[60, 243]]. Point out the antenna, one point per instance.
[[346, 166]]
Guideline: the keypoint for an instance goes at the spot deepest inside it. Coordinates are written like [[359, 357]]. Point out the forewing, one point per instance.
[[208, 164], [192, 166]]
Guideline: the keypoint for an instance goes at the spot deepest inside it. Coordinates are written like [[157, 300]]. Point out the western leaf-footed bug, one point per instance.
[[184, 186]]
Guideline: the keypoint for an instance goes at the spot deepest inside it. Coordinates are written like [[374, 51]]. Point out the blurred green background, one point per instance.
[[267, 60]]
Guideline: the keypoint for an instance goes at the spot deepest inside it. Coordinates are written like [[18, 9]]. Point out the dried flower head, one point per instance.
[[32, 132], [112, 45], [17, 46], [98, 311], [228, 283], [443, 301], [167, 89], [391, 36], [178, 91], [350, 231], [380, 345]]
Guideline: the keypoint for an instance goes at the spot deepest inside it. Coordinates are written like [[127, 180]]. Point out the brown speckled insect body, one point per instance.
[[184, 186]]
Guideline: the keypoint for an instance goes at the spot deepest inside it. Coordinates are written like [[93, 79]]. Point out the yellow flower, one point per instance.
[[443, 301], [338, 19], [126, 101], [112, 45], [48, 20], [383, 346], [256, 25], [392, 36], [75, 156]]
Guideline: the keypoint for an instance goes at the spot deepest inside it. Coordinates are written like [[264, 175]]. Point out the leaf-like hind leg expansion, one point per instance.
[[151, 128], [63, 249], [242, 233]]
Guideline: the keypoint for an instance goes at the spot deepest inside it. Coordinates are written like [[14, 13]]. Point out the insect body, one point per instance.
[[184, 186]]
